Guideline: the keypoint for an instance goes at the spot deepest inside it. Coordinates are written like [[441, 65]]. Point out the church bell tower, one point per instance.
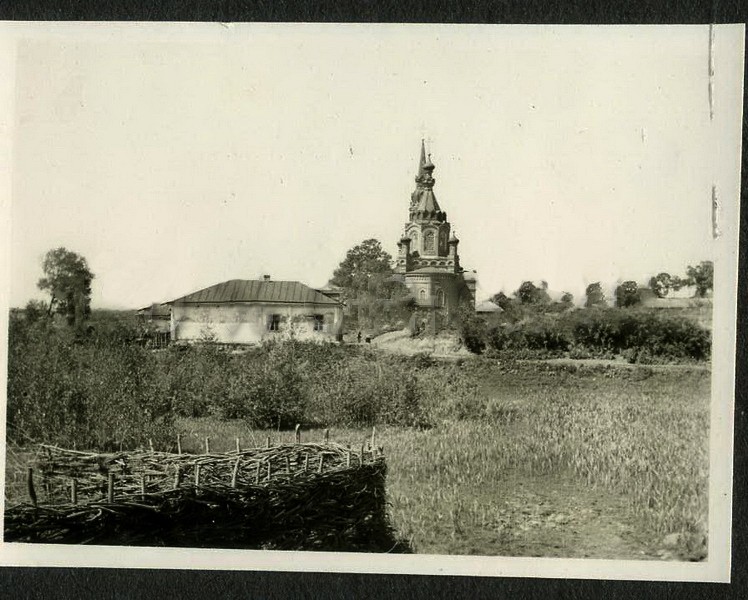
[[427, 251]]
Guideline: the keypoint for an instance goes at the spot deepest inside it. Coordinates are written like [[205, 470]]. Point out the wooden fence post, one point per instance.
[[321, 460], [177, 477], [327, 436], [142, 485], [257, 472], [236, 471], [288, 465], [207, 445], [298, 433], [30, 482], [110, 487], [150, 444], [306, 462], [238, 446], [74, 491], [267, 442], [268, 469], [179, 443], [197, 475], [373, 437]]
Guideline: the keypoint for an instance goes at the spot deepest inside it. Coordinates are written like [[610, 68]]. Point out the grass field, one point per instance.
[[567, 460]]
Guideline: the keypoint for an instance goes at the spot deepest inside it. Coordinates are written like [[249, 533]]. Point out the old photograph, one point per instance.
[[375, 298]]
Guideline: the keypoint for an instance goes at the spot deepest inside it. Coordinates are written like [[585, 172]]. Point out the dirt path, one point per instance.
[[443, 346], [559, 518], [549, 517]]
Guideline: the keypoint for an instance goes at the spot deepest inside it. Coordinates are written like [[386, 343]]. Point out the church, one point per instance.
[[249, 311], [428, 261]]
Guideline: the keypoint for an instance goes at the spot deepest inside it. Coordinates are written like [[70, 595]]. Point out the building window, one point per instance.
[[440, 298], [274, 322], [422, 296], [319, 322], [429, 246]]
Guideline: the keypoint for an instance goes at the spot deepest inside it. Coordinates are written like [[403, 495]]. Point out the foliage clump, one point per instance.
[[68, 279], [639, 335], [101, 391], [376, 299]]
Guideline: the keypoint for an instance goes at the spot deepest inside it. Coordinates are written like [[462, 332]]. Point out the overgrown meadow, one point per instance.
[[458, 436]]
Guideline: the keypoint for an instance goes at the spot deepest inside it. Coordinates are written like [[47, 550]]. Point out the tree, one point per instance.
[[511, 308], [35, 310], [595, 296], [67, 278], [662, 284], [376, 298], [529, 293], [701, 277], [627, 294], [567, 299], [502, 300], [365, 266]]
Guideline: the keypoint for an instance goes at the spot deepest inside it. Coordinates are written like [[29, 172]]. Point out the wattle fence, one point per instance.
[[296, 496]]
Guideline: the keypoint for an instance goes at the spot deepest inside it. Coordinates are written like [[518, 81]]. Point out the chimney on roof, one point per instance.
[[266, 277]]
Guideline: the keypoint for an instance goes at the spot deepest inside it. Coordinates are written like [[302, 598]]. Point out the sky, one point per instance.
[[174, 161]]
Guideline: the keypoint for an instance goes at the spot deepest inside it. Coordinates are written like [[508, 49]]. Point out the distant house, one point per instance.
[[158, 316], [243, 311], [333, 291], [675, 299], [682, 303], [488, 307]]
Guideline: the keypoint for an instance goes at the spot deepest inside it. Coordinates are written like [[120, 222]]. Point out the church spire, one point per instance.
[[422, 164], [425, 169], [423, 203]]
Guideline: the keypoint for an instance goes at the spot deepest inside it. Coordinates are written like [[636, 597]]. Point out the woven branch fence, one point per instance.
[[296, 496]]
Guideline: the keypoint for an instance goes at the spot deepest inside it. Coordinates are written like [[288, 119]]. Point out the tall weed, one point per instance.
[[99, 393]]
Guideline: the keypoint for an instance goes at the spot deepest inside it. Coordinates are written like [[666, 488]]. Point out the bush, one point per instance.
[[276, 397], [284, 383], [361, 388], [639, 335], [472, 331], [97, 392], [547, 334]]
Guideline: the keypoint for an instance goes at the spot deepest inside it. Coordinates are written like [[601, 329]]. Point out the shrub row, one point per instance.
[[283, 383], [639, 335], [104, 390]]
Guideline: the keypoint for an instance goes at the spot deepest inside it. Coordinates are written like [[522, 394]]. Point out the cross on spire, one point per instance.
[[425, 168]]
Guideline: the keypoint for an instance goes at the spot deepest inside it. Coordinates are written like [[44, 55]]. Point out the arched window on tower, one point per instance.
[[429, 246], [414, 239], [440, 297], [422, 296]]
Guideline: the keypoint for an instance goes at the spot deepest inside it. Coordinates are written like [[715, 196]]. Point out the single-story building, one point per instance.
[[243, 311], [157, 316]]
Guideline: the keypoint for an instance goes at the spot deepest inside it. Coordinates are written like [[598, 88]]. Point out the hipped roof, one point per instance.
[[487, 306], [251, 290]]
